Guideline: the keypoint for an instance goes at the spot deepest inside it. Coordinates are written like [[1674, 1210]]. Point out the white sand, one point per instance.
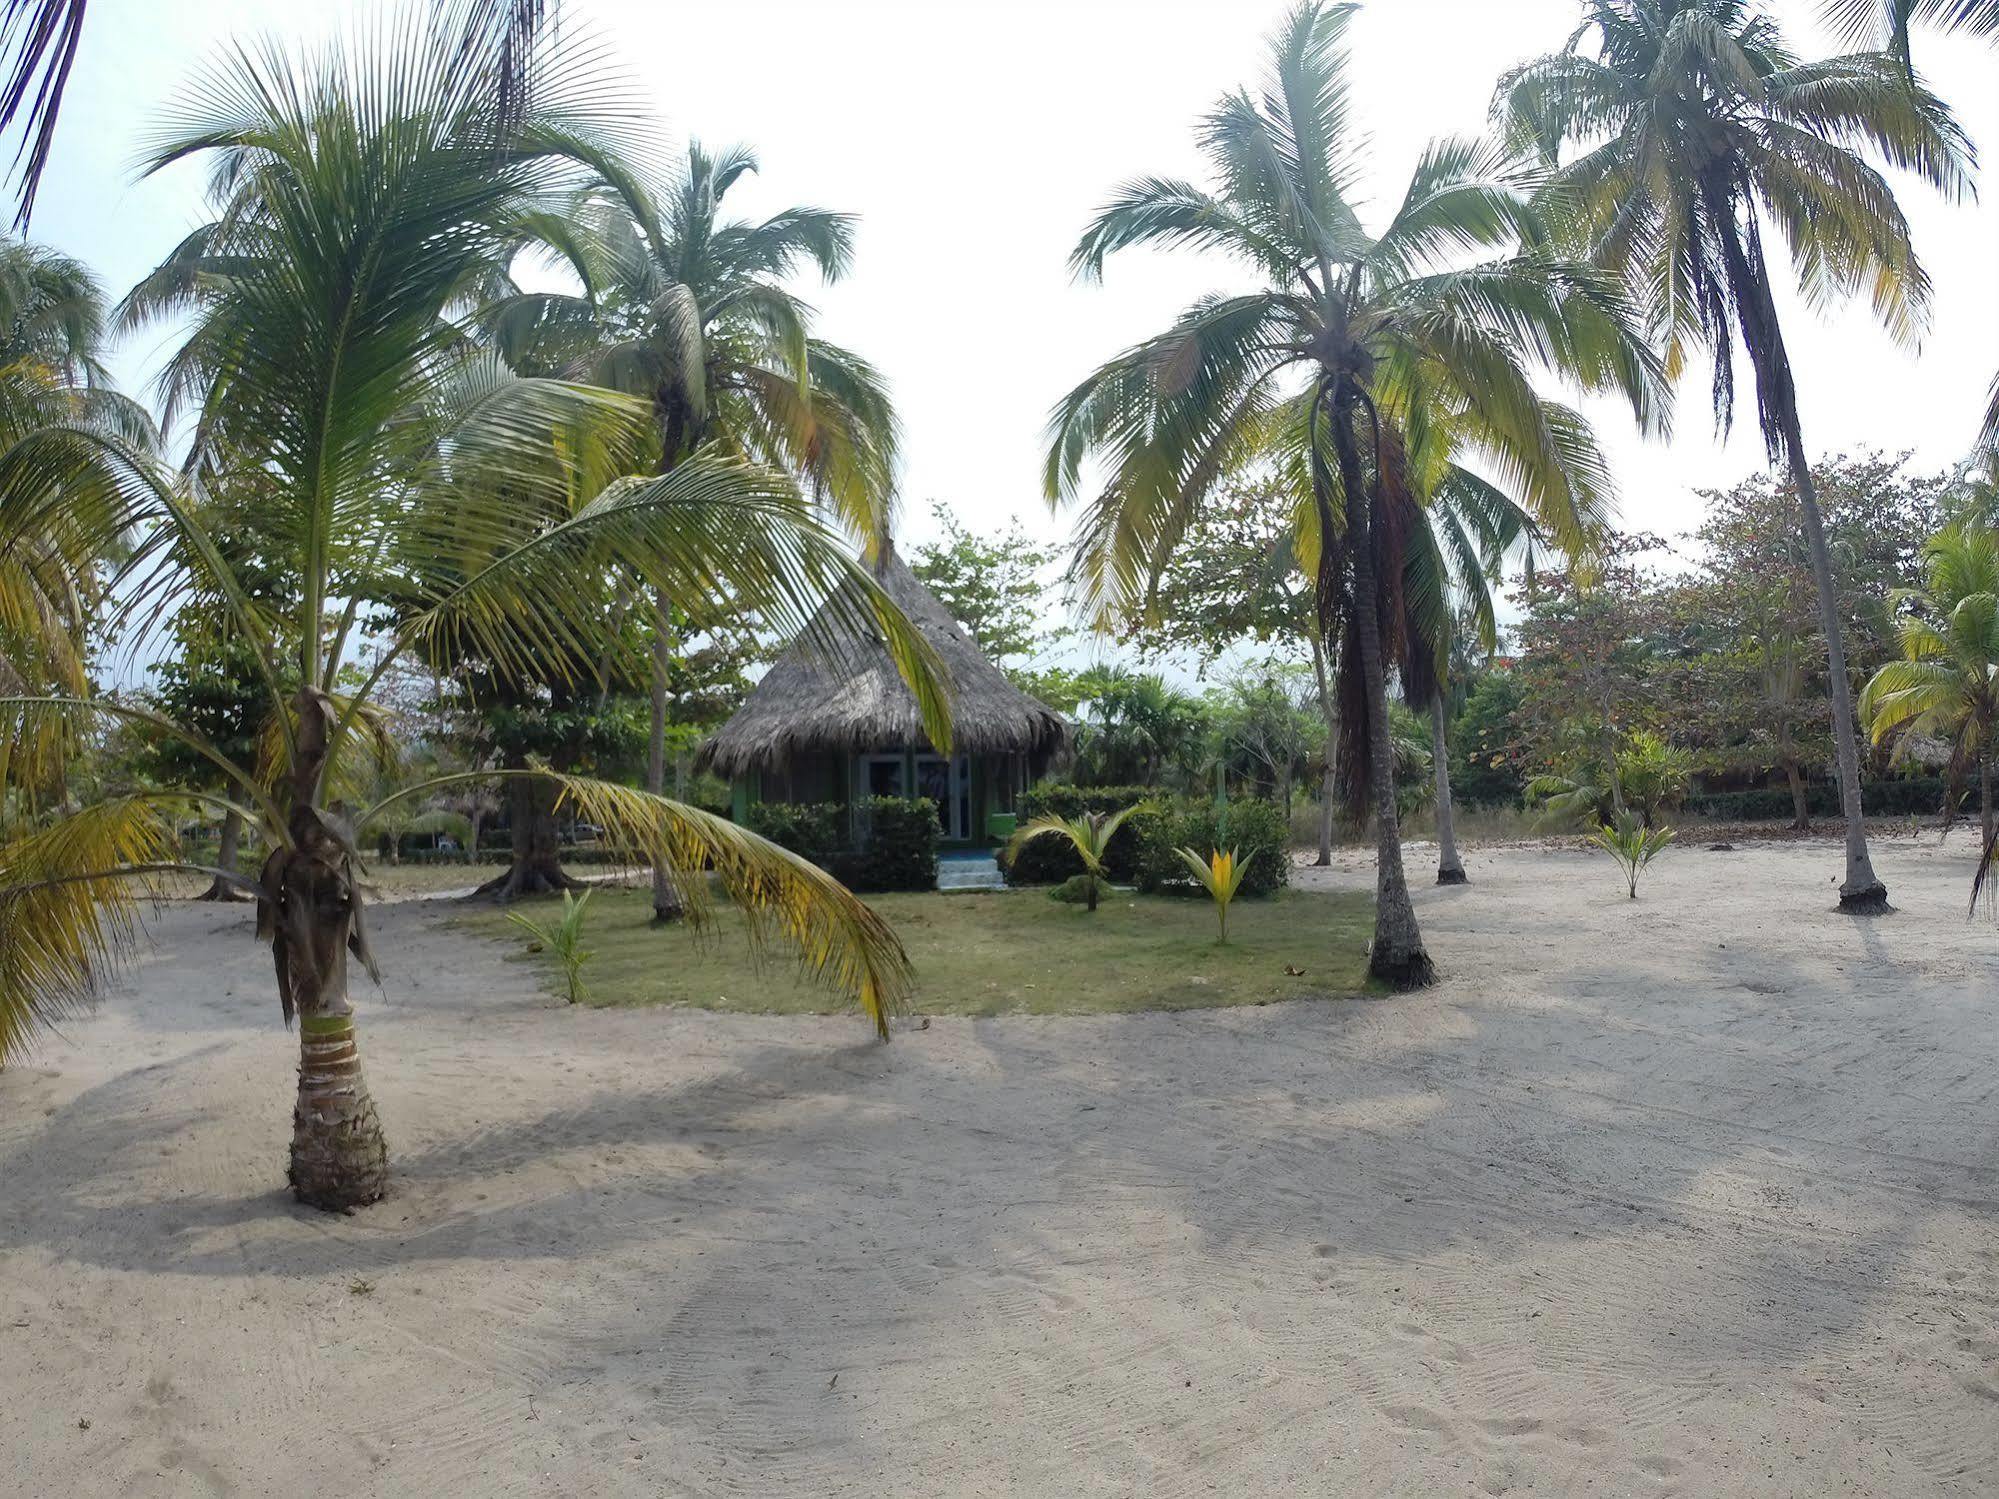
[[1698, 1195]]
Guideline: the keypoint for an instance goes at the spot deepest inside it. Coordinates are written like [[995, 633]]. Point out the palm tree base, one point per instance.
[[1453, 877], [1872, 900], [340, 1160], [1403, 971]]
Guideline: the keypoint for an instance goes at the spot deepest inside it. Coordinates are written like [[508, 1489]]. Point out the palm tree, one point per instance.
[[688, 309], [1947, 682], [1369, 329], [1698, 128], [361, 196], [52, 324], [1090, 835]]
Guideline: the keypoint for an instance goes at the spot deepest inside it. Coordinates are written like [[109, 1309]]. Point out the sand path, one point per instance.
[[1696, 1196]]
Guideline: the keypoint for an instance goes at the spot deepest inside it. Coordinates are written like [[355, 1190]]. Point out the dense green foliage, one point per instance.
[[1257, 831], [898, 845]]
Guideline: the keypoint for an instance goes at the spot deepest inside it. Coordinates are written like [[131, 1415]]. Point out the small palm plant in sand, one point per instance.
[[1220, 874], [1633, 845], [563, 941], [1090, 835]]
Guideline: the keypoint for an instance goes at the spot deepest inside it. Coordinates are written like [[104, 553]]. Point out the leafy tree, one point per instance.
[[1486, 750], [365, 193], [1696, 128], [1752, 690], [993, 586], [1349, 335]]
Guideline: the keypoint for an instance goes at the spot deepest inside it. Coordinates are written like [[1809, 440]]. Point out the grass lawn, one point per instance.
[[1011, 953]]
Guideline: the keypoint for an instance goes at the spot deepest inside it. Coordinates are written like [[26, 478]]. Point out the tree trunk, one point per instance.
[[1801, 807], [1397, 957], [1450, 868], [225, 858], [340, 1160], [536, 865], [1327, 789], [1861, 892], [666, 902], [1985, 813], [310, 913]]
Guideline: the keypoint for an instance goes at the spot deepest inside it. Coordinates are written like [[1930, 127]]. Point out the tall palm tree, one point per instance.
[[1697, 127], [689, 310], [1947, 682], [1369, 330], [361, 195]]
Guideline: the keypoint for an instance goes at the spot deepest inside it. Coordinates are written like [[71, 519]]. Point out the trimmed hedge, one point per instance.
[[1256, 830], [900, 852], [1920, 796], [811, 829], [1051, 860]]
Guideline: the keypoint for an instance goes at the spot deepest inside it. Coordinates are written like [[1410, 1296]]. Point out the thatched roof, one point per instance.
[[818, 699]]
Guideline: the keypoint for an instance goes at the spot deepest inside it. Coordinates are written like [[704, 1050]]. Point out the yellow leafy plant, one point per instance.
[[1220, 875]]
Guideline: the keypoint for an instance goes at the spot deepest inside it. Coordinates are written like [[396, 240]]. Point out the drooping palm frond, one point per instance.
[[1889, 22], [68, 909]]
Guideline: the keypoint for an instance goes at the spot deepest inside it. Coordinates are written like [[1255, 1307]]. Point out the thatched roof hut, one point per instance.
[[839, 724]]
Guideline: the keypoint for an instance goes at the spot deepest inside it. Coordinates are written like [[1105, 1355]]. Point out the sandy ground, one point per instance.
[[1698, 1195]]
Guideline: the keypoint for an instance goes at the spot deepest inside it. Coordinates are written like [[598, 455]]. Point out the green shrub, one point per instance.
[[1256, 830], [1919, 796], [813, 829], [1074, 891], [1050, 861], [900, 852]]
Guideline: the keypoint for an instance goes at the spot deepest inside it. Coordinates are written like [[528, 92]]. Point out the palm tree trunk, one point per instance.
[[1985, 813], [340, 1160], [311, 915], [1327, 792], [1397, 956], [666, 902], [1861, 892], [225, 858], [1450, 868]]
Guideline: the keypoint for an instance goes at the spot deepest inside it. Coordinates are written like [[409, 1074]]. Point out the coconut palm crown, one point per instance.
[[1352, 338]]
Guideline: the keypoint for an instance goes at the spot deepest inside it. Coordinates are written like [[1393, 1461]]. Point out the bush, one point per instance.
[[1256, 830], [901, 848], [1074, 891], [1051, 860], [813, 829], [1919, 796]]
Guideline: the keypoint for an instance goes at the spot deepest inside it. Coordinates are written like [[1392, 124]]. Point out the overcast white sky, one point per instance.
[[974, 139]]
